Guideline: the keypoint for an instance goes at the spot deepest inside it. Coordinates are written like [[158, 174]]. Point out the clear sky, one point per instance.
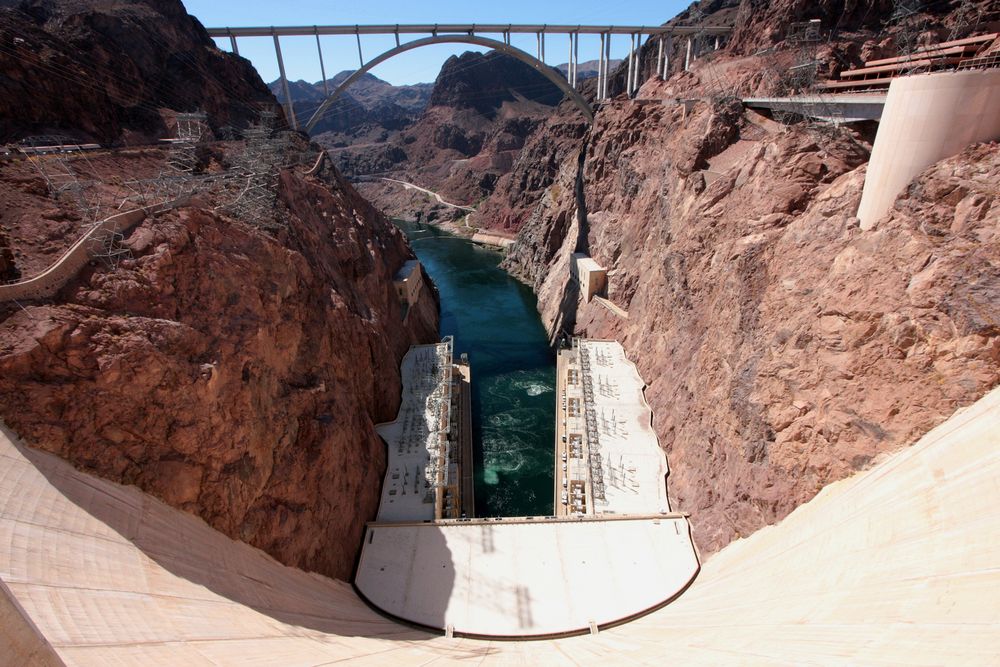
[[340, 53]]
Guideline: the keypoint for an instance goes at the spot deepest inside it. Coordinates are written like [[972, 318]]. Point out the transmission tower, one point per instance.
[[182, 158], [256, 170], [50, 156], [908, 23], [108, 246], [967, 18]]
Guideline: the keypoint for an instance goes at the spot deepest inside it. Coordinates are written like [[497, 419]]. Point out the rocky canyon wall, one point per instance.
[[233, 369], [784, 348], [234, 374], [116, 71]]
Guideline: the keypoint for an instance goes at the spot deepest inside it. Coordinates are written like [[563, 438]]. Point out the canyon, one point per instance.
[[236, 372], [191, 408]]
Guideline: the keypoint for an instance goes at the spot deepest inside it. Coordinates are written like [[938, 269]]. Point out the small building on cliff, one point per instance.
[[591, 276], [407, 283]]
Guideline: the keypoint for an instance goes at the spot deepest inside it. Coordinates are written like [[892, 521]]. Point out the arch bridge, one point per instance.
[[696, 37]]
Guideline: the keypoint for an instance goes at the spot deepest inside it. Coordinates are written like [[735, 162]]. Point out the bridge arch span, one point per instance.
[[549, 73]]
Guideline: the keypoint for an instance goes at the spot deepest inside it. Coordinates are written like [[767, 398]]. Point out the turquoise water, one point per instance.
[[493, 319]]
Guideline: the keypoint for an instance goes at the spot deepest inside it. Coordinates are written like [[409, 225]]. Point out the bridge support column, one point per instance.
[[576, 57], [659, 58], [569, 63], [716, 42], [666, 56], [600, 69], [607, 62], [322, 68], [631, 58], [687, 56], [289, 107], [232, 43], [636, 73], [361, 58]]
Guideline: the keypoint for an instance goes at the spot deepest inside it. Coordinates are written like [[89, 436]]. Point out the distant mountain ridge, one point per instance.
[[370, 102], [588, 68]]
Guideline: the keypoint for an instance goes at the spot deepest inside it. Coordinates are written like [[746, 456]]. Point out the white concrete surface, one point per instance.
[[927, 117], [521, 578], [591, 276], [634, 467], [416, 440], [897, 565]]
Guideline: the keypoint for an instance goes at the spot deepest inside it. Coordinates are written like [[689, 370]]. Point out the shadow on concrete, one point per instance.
[[185, 546]]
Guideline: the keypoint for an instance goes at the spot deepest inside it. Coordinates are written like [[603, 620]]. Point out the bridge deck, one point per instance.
[[462, 28]]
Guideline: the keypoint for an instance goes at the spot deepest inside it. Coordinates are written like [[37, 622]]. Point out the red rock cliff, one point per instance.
[[784, 348], [233, 374]]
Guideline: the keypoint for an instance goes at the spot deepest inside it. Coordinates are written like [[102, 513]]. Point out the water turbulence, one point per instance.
[[494, 320]]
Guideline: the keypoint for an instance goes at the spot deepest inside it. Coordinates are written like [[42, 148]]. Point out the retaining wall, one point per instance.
[[51, 280]]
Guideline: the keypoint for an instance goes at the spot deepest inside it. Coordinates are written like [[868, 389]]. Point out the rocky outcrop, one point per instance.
[[235, 371], [784, 348], [554, 144], [482, 110], [104, 71], [368, 104], [234, 374], [484, 81]]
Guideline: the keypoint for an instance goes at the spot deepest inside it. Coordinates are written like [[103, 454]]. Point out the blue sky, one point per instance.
[[340, 53]]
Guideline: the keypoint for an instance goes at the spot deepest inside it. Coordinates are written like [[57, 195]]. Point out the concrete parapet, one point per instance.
[[927, 117], [52, 279]]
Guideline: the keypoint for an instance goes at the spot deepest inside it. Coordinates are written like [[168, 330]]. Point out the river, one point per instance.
[[494, 320]]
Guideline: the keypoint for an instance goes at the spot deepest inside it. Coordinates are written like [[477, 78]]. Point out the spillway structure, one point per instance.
[[517, 577]]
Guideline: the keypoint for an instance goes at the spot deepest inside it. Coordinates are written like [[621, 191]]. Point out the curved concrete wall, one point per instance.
[[927, 117], [896, 565], [52, 279]]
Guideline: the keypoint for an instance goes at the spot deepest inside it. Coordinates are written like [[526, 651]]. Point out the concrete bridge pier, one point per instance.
[[600, 69], [607, 61], [289, 109], [322, 69], [637, 78], [687, 56], [631, 58]]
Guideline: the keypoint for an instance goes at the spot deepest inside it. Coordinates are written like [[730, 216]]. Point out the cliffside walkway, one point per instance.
[[60, 272]]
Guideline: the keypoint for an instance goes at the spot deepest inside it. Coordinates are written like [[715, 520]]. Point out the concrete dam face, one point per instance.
[[896, 564]]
